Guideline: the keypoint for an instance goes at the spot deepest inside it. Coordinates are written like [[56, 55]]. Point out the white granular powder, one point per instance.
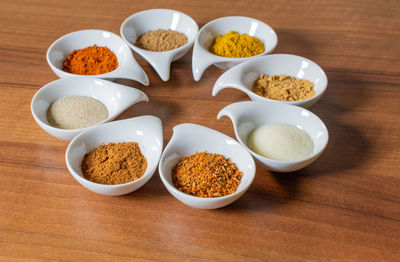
[[281, 142], [73, 112]]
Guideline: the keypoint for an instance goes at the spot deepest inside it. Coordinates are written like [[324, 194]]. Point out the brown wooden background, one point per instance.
[[346, 206]]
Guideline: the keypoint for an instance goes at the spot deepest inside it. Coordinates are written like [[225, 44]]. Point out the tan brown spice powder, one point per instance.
[[114, 163], [161, 40], [283, 88], [206, 175]]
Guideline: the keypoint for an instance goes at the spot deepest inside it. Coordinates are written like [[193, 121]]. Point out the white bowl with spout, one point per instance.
[[202, 58], [145, 130], [127, 68], [115, 97], [189, 139], [246, 116], [154, 19], [243, 76]]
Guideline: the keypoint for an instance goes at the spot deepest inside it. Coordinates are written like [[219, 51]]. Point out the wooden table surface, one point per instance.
[[345, 206]]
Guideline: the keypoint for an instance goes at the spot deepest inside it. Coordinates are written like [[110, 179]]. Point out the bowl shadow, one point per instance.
[[348, 149], [291, 42]]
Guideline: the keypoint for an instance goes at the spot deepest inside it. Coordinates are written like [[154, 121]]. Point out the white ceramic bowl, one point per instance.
[[246, 116], [154, 19], [189, 139], [202, 58], [117, 98], [145, 130], [243, 76], [127, 66]]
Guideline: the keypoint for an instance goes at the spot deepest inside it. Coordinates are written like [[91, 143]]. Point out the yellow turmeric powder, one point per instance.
[[236, 45]]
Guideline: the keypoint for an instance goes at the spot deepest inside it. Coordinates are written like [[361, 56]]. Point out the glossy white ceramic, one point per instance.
[[154, 19], [117, 98], [202, 58], [127, 66], [189, 139], [243, 76], [246, 116], [145, 130]]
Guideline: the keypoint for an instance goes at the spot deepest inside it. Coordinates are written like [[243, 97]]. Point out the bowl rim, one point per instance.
[[169, 186], [63, 37], [104, 186], [294, 107], [237, 59], [135, 48], [62, 130]]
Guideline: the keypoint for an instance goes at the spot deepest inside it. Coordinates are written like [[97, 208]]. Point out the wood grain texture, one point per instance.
[[344, 207]]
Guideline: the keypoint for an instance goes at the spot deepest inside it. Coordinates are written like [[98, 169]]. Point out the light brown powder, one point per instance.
[[114, 163], [161, 40], [283, 88]]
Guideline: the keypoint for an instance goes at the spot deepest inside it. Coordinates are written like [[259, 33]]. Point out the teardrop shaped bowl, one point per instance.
[[248, 115], [154, 19], [145, 130], [243, 76], [202, 58], [189, 139], [127, 68], [115, 97]]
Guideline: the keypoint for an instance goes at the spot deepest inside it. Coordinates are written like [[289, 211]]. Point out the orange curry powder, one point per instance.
[[92, 60]]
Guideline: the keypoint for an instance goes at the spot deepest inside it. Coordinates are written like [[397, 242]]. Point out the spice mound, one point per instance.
[[161, 40], [114, 163], [283, 88], [73, 112], [92, 60], [281, 142], [206, 175], [236, 45]]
